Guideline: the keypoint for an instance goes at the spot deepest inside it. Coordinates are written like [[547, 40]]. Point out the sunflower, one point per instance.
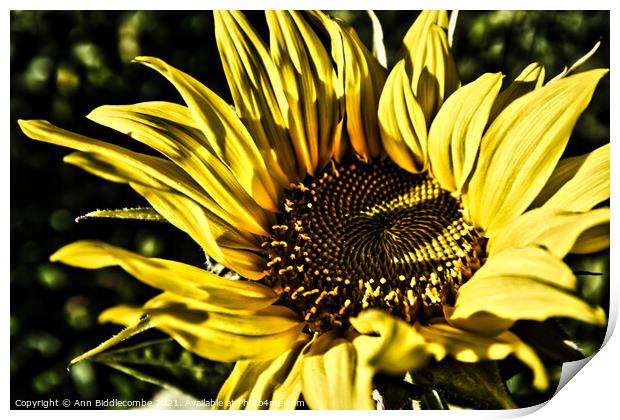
[[378, 221]]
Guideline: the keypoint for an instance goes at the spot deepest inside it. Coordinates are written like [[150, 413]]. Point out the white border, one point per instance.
[[592, 395]]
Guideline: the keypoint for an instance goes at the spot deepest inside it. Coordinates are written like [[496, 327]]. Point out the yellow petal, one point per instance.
[[226, 135], [557, 231], [363, 79], [215, 336], [333, 377], [309, 81], [173, 276], [245, 262], [522, 147], [430, 65], [183, 144], [378, 46], [276, 382], [255, 336], [581, 61], [210, 226], [592, 240], [389, 344], [531, 78], [168, 112], [123, 315], [217, 237], [118, 164], [521, 283], [454, 15], [111, 170], [128, 165], [578, 183], [208, 230], [158, 174], [470, 348], [258, 322], [258, 93], [402, 123], [425, 19], [456, 131]]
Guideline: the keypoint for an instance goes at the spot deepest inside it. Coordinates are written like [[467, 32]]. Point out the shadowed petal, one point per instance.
[[558, 231], [429, 62], [362, 78], [470, 348], [531, 78], [402, 122], [388, 344], [456, 131], [334, 377], [309, 83], [261, 335], [173, 276], [542, 282], [258, 93], [227, 136], [276, 381], [578, 183], [219, 239]]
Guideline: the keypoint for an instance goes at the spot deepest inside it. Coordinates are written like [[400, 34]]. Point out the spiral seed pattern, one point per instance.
[[370, 235]]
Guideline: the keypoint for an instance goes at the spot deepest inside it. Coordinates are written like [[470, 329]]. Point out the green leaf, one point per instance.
[[475, 384], [138, 213], [164, 363]]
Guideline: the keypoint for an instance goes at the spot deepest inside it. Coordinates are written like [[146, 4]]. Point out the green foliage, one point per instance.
[[478, 385], [447, 384], [164, 363]]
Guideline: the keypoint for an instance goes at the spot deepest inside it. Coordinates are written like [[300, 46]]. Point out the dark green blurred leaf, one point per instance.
[[479, 384], [51, 276], [164, 363], [46, 344], [85, 381], [46, 381]]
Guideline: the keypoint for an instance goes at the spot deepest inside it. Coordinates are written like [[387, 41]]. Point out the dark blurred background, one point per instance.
[[65, 63]]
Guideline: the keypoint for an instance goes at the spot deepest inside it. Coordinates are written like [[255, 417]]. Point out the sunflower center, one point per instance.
[[370, 235]]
